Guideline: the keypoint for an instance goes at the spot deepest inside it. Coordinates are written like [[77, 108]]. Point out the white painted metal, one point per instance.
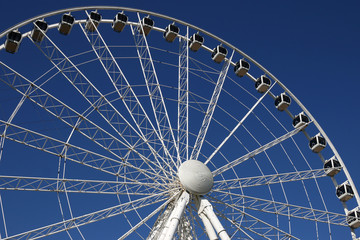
[[155, 170], [183, 99], [175, 217], [205, 207], [195, 177], [210, 110], [208, 227]]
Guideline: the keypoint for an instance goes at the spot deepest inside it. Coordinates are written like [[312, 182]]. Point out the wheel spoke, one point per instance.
[[254, 224], [268, 179], [210, 110], [154, 91], [238, 125], [90, 93], [256, 151], [183, 99], [90, 217], [285, 209], [39, 184], [75, 153], [123, 88], [143, 221], [69, 116]]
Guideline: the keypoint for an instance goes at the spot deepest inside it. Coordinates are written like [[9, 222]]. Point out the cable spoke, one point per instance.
[[90, 218], [284, 209], [154, 90], [210, 110], [268, 179], [257, 151]]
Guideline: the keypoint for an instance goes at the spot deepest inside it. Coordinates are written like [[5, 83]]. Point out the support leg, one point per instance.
[[205, 207], [174, 218]]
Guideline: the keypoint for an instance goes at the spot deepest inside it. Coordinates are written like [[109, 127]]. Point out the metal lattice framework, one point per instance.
[[95, 125]]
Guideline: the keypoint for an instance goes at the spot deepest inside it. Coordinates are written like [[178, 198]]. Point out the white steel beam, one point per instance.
[[255, 152], [238, 125], [90, 218], [155, 94], [183, 99], [175, 217], [210, 110], [268, 179], [205, 207], [124, 89]]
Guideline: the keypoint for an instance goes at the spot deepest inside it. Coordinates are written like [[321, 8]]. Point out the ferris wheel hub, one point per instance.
[[196, 177]]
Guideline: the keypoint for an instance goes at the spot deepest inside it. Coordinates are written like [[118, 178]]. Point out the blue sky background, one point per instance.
[[311, 46]]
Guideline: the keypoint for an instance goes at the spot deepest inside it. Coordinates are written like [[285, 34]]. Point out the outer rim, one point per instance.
[[344, 169]]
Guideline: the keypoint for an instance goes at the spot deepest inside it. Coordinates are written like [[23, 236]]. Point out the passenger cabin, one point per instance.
[[66, 23], [218, 54], [241, 68], [282, 102], [344, 192], [353, 218], [195, 42], [171, 32], [317, 143], [13, 41], [40, 28], [300, 120], [262, 84], [146, 24], [332, 166], [93, 22], [119, 22]]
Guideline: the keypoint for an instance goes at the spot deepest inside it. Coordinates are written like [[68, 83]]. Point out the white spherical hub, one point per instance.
[[196, 177]]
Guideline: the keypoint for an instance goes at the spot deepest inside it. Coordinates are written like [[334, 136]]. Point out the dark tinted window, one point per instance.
[[328, 164], [148, 21], [41, 24], [122, 17], [312, 142], [199, 38], [266, 80], [349, 189], [15, 36], [296, 120], [277, 100], [174, 28], [286, 98], [351, 217], [304, 118], [68, 18], [245, 64], [95, 16], [336, 163], [340, 190], [222, 50], [321, 140]]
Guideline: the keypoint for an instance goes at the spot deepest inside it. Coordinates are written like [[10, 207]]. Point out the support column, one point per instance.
[[174, 218], [205, 207], [208, 227]]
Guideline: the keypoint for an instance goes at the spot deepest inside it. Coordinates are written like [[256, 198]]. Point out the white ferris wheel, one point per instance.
[[120, 123]]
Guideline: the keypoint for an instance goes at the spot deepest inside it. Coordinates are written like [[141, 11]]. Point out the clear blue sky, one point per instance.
[[311, 46]]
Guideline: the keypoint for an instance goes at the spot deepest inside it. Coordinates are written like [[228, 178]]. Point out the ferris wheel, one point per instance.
[[120, 123]]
